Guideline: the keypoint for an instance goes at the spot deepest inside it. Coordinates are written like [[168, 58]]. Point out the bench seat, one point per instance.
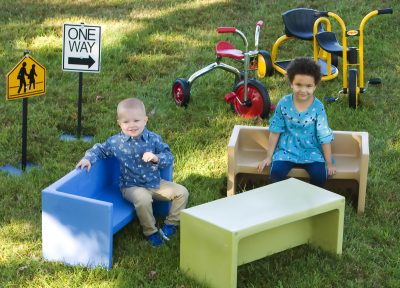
[[248, 146], [248, 161], [219, 236], [83, 210]]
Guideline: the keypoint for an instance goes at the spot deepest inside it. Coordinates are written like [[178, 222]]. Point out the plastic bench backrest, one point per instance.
[[78, 182], [345, 145], [299, 23], [251, 140]]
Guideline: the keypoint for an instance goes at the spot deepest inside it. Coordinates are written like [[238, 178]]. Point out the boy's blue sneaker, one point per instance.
[[155, 239], [168, 230]]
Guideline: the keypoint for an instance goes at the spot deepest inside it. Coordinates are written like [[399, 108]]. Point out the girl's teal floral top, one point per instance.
[[302, 133]]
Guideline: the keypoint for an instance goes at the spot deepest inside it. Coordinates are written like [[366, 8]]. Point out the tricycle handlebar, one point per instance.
[[226, 30], [385, 11], [259, 24]]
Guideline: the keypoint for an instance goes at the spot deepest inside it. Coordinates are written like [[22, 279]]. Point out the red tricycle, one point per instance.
[[249, 97]]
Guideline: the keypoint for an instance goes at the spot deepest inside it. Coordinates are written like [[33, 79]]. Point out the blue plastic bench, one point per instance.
[[83, 210]]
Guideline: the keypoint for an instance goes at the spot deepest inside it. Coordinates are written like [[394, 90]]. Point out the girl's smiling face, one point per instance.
[[303, 87]]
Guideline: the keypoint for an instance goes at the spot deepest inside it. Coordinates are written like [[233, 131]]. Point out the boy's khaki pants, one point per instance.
[[142, 199]]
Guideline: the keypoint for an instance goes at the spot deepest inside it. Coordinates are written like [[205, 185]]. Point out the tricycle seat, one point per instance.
[[226, 49], [299, 23], [328, 42]]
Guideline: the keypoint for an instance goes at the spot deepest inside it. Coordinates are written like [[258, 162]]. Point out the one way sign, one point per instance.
[[81, 48]]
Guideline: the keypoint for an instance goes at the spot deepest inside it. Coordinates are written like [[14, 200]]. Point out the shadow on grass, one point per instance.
[[203, 189], [345, 187]]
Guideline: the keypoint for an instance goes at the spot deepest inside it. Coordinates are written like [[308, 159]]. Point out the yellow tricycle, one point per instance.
[[353, 57]]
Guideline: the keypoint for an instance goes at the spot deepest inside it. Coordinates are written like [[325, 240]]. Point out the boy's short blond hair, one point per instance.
[[131, 103]]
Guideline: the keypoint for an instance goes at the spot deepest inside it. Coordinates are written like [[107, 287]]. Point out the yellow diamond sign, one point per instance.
[[26, 79]]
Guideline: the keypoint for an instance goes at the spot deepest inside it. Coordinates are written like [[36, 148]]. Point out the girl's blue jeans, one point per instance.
[[317, 171]]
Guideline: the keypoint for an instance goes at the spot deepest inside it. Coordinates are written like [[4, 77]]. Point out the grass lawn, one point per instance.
[[146, 45]]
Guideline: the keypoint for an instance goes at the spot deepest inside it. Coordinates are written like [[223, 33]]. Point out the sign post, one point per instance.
[[81, 53], [80, 86], [18, 88], [24, 132]]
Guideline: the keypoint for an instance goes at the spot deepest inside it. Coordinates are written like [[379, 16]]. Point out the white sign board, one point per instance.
[[81, 48]]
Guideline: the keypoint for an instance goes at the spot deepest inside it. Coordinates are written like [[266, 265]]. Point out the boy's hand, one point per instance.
[[266, 162], [150, 157], [84, 163]]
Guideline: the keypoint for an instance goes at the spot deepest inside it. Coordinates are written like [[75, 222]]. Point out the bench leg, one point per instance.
[[328, 230], [207, 253], [361, 197], [231, 185], [76, 230]]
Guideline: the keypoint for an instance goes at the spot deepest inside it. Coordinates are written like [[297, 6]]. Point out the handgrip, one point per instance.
[[385, 11], [226, 30], [321, 13]]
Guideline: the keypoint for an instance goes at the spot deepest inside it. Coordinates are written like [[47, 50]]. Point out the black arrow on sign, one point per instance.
[[81, 61]]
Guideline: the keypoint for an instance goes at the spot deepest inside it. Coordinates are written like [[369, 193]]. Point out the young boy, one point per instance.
[[141, 153], [299, 131]]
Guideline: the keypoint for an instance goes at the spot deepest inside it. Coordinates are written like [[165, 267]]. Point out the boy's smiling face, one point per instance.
[[132, 121]]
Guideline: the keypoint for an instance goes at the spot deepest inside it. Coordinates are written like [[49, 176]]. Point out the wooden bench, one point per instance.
[[248, 146], [83, 210], [221, 235]]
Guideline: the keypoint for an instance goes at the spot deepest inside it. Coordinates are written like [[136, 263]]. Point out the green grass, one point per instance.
[[147, 44]]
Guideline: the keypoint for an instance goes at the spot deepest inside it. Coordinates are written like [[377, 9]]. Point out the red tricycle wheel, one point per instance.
[[259, 99], [181, 92]]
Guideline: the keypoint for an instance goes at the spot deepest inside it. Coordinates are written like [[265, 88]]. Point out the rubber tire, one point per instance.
[[181, 92], [334, 60], [268, 63], [353, 97], [258, 94]]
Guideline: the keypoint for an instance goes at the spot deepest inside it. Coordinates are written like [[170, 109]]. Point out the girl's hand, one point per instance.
[[266, 162], [331, 170], [84, 163], [150, 157]]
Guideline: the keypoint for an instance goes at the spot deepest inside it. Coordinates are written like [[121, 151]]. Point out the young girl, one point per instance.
[[299, 132]]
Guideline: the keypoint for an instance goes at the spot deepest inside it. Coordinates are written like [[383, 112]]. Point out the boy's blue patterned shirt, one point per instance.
[[129, 152], [302, 133]]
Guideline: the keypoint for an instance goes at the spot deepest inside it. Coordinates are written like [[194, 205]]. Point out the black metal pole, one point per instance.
[[24, 131], [79, 128], [24, 127]]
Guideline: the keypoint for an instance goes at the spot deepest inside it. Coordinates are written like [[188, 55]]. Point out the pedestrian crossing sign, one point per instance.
[[26, 79]]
